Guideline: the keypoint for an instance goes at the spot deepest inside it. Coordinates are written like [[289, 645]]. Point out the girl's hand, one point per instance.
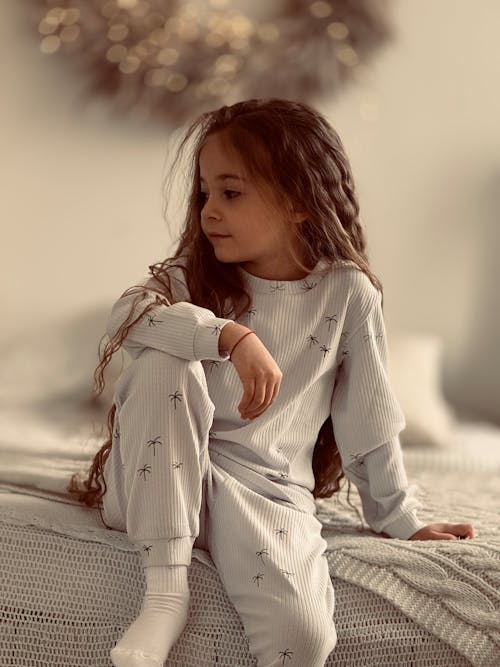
[[444, 531], [259, 374]]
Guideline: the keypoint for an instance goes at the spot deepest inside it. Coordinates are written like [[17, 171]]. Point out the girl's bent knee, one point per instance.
[[154, 367]]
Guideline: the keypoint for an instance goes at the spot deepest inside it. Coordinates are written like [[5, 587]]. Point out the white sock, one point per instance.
[[164, 613]]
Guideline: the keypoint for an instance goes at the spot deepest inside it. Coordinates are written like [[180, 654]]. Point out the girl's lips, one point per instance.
[[218, 236]]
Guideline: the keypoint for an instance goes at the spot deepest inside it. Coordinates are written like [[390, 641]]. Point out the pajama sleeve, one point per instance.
[[367, 420], [181, 329], [389, 504], [365, 412]]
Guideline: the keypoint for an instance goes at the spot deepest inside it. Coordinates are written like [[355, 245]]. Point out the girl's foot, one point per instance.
[[148, 641]]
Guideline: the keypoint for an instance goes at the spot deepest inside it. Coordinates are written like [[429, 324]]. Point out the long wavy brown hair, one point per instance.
[[271, 136]]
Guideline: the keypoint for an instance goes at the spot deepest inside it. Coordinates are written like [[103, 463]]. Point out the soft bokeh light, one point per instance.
[[178, 58]]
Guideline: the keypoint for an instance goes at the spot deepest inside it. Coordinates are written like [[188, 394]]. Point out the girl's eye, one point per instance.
[[231, 194]]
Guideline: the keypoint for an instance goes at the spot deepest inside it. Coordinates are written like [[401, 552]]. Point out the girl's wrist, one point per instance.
[[229, 336], [239, 341]]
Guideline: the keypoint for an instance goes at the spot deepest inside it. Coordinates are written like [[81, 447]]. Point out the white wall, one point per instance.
[[424, 139], [81, 191]]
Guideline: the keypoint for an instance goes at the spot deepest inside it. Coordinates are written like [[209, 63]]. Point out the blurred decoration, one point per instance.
[[175, 59]]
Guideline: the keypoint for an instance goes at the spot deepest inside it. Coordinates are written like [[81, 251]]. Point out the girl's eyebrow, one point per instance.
[[222, 177]]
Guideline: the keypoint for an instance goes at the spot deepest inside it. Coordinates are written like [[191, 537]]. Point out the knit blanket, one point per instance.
[[451, 588]]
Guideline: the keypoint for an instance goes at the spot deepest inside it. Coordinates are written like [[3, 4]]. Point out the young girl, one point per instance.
[[258, 379]]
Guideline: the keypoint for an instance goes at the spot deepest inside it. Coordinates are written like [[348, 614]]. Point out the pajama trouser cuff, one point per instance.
[[172, 551]]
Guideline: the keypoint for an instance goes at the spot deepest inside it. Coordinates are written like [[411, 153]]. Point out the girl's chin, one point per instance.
[[225, 254]]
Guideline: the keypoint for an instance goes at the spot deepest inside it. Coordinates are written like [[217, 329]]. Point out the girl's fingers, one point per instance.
[[444, 536], [445, 531], [461, 530], [259, 397], [276, 389], [268, 399], [248, 393], [271, 391]]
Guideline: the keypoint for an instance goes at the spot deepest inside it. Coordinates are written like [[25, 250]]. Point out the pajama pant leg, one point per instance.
[[269, 554], [270, 557], [159, 458]]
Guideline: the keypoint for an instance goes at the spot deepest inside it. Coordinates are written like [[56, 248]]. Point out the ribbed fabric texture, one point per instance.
[[159, 456], [171, 579], [389, 503], [327, 334], [265, 542]]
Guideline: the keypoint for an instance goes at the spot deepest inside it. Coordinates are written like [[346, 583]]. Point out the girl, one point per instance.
[[257, 381]]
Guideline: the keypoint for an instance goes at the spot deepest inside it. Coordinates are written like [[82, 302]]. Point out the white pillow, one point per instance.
[[415, 372]]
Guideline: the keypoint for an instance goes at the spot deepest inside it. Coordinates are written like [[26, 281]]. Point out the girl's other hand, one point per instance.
[[445, 531], [259, 374]]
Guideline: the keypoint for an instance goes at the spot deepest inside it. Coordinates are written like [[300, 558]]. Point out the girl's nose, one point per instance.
[[210, 211]]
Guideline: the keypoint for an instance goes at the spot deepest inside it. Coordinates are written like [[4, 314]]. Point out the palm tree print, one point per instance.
[[330, 319], [277, 287], [258, 577], [251, 311], [285, 654], [216, 329], [153, 443], [176, 396], [212, 434], [312, 340], [281, 532], [147, 548], [144, 470], [283, 475], [262, 552], [116, 434], [152, 321], [325, 350], [287, 573], [177, 465], [307, 286], [213, 364]]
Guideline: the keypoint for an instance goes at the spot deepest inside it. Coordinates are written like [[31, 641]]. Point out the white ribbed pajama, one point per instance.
[[263, 537], [186, 470]]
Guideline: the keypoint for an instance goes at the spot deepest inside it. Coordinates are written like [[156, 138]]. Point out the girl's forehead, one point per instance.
[[216, 155]]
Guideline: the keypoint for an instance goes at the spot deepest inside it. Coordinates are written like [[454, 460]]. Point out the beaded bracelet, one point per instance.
[[239, 341]]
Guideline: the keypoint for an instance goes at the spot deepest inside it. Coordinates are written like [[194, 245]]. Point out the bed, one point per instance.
[[70, 587]]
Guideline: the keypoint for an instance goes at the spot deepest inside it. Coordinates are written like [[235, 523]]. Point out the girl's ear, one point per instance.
[[299, 216]]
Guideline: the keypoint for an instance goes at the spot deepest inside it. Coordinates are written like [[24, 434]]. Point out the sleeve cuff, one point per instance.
[[206, 339], [404, 527]]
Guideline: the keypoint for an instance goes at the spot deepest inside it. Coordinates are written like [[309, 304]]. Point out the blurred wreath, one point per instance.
[[174, 59]]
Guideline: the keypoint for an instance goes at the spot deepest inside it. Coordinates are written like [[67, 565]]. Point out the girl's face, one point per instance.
[[244, 224]]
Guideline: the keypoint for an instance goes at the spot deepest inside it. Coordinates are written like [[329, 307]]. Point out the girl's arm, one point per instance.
[[389, 504], [367, 420], [181, 329]]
